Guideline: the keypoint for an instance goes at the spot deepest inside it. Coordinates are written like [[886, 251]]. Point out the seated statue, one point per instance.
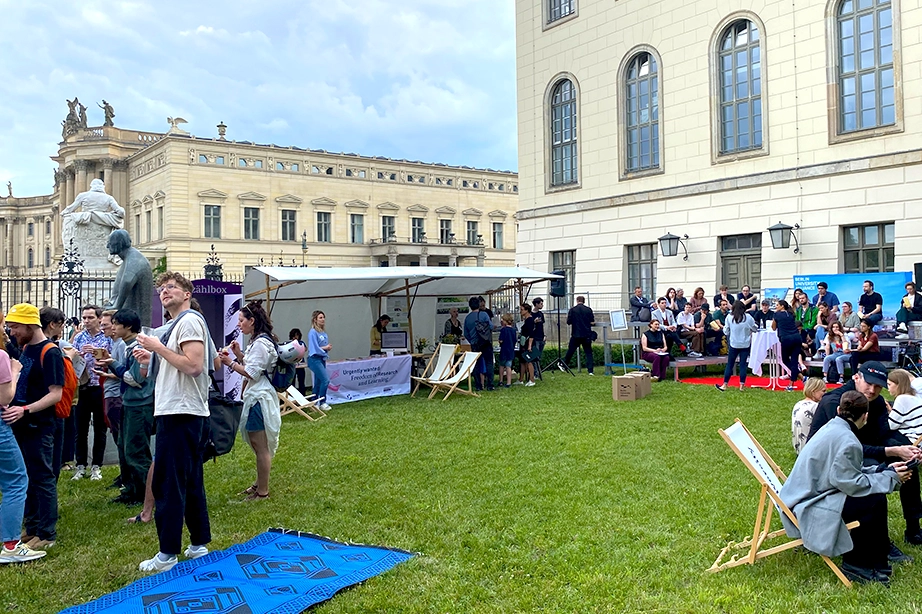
[[91, 218], [134, 283]]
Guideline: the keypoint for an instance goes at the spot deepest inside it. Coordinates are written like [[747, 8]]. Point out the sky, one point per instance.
[[429, 80]]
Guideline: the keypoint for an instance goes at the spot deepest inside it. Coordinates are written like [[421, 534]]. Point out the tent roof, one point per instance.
[[377, 281]]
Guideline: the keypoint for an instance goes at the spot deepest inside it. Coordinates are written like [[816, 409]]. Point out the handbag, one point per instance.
[[223, 422], [484, 329]]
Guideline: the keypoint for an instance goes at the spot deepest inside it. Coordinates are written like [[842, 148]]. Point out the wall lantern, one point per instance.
[[669, 244], [781, 236]]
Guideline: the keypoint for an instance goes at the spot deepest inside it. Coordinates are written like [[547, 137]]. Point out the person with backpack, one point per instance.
[[52, 320], [32, 416], [261, 419]]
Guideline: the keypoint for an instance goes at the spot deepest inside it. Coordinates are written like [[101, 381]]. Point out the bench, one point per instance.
[[685, 361]]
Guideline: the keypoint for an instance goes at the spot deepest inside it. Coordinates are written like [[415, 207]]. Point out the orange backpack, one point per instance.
[[62, 407]]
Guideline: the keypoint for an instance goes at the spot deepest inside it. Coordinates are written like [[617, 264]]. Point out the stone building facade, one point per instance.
[[718, 119], [269, 204]]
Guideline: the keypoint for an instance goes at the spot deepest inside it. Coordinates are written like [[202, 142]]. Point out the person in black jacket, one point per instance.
[[910, 308], [581, 320], [639, 303], [879, 443]]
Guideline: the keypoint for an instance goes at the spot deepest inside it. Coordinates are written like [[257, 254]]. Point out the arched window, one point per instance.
[[30, 263], [642, 121], [864, 46], [740, 87], [563, 132]]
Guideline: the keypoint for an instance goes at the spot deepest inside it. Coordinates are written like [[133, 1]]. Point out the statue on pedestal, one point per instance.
[[134, 283], [91, 218], [108, 111]]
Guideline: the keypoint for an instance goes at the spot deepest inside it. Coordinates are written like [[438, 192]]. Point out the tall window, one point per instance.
[[47, 227], [642, 97], [30, 258], [149, 223], [563, 134], [740, 75], [323, 227], [47, 257], [865, 46], [566, 262], [289, 225], [212, 222], [251, 223], [869, 248], [356, 228], [160, 222], [471, 233], [558, 9], [445, 233], [418, 230], [497, 235], [137, 227], [388, 227], [30, 229], [641, 268]]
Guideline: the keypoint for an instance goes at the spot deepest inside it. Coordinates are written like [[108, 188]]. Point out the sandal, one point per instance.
[[67, 467], [255, 496], [248, 491]]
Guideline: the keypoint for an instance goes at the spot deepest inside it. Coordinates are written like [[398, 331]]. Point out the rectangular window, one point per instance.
[[869, 248], [641, 268], [497, 235], [558, 9], [445, 233], [149, 222], [418, 228], [47, 227], [160, 222], [566, 262], [212, 222], [251, 223], [289, 225], [31, 229], [472, 236], [388, 227], [137, 227], [323, 227], [356, 228]]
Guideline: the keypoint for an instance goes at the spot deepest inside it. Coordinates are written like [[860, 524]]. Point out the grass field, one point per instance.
[[544, 499]]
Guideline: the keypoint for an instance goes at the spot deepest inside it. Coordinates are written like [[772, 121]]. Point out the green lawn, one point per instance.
[[548, 499]]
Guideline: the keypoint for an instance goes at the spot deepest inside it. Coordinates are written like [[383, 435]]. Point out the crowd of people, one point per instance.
[[129, 385]]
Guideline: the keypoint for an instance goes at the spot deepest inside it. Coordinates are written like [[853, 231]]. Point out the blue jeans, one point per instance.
[[13, 485], [840, 358], [318, 367], [874, 319], [820, 335], [732, 354]]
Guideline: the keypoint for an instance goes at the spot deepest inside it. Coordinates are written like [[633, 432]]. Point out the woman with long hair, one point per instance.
[[670, 301], [868, 346], [834, 345], [789, 337], [906, 412], [261, 419], [697, 299], [318, 346], [653, 350], [738, 329], [379, 327]]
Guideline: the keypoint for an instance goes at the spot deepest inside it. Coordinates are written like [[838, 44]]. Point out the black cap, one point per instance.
[[874, 373]]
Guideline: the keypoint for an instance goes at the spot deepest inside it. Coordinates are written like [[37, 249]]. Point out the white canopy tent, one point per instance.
[[292, 293]]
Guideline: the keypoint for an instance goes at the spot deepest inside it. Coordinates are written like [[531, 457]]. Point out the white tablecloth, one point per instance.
[[762, 342], [378, 376]]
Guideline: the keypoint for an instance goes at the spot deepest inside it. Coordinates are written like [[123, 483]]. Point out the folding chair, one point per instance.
[[464, 371], [292, 401], [770, 477], [439, 367]]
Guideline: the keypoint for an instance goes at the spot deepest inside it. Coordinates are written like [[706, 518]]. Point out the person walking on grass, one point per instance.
[[506, 349], [261, 419], [318, 347], [183, 355], [32, 416], [738, 329], [14, 482]]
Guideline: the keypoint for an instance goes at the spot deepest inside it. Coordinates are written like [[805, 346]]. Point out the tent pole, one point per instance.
[[409, 315], [521, 288], [268, 297]]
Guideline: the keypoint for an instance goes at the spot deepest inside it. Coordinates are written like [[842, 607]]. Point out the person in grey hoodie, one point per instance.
[[738, 329]]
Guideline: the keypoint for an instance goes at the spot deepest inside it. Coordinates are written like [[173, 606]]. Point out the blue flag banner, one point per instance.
[[849, 287]]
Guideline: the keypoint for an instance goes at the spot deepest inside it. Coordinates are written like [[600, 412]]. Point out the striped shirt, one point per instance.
[[906, 416]]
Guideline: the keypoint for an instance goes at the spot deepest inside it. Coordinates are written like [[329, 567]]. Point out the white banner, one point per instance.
[[355, 380]]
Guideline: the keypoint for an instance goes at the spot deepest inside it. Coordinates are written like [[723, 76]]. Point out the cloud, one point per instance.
[[420, 79]]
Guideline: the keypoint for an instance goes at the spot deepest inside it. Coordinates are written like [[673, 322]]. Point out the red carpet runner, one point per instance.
[[751, 382]]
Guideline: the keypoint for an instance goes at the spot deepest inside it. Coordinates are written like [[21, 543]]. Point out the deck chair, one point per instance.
[[770, 477], [291, 401], [464, 371], [439, 367]]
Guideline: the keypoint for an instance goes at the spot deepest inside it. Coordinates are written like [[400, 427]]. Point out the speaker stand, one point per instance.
[[558, 362]]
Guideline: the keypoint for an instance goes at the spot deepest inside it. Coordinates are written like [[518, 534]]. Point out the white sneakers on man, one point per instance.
[[160, 562], [79, 473], [20, 553], [95, 473], [529, 383], [325, 407]]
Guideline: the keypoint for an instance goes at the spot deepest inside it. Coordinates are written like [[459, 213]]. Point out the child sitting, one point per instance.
[[802, 415], [507, 340]]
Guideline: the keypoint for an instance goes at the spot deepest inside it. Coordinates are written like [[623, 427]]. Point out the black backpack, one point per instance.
[[222, 423]]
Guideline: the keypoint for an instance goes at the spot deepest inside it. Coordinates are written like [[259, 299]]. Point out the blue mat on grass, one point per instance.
[[278, 572]]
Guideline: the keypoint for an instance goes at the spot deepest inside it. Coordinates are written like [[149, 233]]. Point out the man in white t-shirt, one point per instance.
[[181, 417]]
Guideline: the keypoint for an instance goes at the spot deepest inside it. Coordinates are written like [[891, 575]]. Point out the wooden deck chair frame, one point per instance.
[[450, 385], [768, 500], [291, 401], [433, 372]]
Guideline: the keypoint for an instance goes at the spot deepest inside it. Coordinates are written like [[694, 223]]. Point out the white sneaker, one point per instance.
[[902, 327], [529, 383], [325, 407], [901, 336], [79, 473], [95, 473], [591, 374], [694, 355], [158, 564], [21, 553], [194, 552]]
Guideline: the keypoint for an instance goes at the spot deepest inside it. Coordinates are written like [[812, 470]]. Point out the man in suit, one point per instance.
[[639, 303], [581, 320]]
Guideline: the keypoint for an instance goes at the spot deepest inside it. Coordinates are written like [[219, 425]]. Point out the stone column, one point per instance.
[[4, 235], [119, 191], [453, 258], [107, 175], [69, 190], [424, 257], [481, 256], [81, 166], [392, 256]]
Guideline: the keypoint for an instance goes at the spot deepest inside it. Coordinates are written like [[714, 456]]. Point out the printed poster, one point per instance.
[[355, 380]]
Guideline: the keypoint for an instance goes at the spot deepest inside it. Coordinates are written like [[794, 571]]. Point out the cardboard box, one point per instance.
[[644, 383], [624, 388]]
